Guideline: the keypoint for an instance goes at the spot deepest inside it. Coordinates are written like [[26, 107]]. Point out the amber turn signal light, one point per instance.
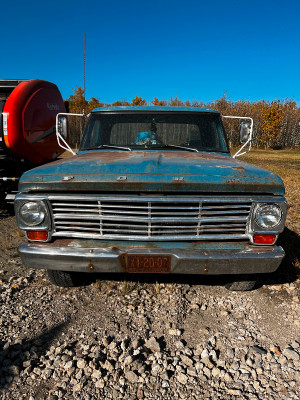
[[37, 235], [264, 239]]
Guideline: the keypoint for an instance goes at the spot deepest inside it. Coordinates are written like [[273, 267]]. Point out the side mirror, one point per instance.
[[62, 126], [245, 131]]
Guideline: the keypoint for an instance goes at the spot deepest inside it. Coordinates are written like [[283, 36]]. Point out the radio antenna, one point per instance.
[[83, 112]]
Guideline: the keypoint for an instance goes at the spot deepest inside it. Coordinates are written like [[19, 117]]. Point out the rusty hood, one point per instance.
[[151, 171]]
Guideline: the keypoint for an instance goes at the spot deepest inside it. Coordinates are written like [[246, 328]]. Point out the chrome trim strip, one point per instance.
[[161, 198], [156, 238]]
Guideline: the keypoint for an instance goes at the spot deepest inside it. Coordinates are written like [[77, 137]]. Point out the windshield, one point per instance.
[[185, 132]]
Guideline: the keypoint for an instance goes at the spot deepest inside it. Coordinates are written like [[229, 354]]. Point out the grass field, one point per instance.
[[285, 163]]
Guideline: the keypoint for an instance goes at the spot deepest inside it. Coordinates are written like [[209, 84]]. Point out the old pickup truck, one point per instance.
[[152, 190]]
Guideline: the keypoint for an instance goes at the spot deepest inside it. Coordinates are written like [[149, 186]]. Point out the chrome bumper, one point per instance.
[[186, 258]]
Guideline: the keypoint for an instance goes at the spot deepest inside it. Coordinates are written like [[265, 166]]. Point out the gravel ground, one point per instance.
[[145, 337]]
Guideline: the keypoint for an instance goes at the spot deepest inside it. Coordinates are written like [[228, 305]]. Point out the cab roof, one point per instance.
[[155, 109]]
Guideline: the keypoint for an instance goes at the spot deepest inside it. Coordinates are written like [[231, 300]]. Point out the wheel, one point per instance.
[[241, 286], [63, 278]]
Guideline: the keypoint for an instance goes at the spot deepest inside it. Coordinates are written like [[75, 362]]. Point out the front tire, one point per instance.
[[63, 278], [241, 286]]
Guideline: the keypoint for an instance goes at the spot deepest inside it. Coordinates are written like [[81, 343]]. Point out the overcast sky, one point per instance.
[[196, 50]]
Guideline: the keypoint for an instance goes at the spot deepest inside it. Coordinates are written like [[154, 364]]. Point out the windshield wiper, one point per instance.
[[181, 147], [110, 146]]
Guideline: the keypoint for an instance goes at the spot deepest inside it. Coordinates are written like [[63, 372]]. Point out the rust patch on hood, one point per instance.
[[101, 155], [194, 155], [238, 168]]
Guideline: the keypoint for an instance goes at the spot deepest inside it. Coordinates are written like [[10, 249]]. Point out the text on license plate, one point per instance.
[[147, 263]]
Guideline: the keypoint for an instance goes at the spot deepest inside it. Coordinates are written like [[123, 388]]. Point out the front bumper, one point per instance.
[[186, 257]]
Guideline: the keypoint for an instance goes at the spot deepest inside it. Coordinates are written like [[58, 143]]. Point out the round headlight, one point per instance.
[[268, 215], [32, 213]]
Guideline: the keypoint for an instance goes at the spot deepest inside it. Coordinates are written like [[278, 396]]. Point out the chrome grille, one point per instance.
[[150, 218]]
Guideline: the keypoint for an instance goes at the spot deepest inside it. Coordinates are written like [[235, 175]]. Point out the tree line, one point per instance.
[[276, 123]]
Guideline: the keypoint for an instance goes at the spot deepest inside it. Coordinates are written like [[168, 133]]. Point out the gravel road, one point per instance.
[[145, 337]]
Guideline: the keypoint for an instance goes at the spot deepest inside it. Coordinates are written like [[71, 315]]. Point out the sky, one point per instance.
[[195, 50]]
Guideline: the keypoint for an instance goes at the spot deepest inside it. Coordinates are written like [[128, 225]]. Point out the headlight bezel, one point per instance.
[[42, 205], [265, 211], [32, 213], [256, 228]]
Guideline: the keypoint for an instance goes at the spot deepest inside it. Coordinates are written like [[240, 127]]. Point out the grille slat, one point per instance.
[[151, 219], [90, 229], [156, 218]]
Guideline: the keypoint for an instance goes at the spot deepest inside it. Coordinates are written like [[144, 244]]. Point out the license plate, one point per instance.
[[147, 264]]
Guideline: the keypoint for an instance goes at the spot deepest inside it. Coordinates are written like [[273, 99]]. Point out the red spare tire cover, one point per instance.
[[29, 121]]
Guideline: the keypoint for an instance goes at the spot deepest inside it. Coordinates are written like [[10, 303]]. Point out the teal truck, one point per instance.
[[152, 190]]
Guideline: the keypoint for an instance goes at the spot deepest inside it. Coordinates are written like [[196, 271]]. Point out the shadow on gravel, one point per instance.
[[212, 280], [289, 269], [286, 273], [18, 357], [6, 210]]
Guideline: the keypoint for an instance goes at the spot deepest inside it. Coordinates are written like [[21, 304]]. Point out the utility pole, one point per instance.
[[83, 111]]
